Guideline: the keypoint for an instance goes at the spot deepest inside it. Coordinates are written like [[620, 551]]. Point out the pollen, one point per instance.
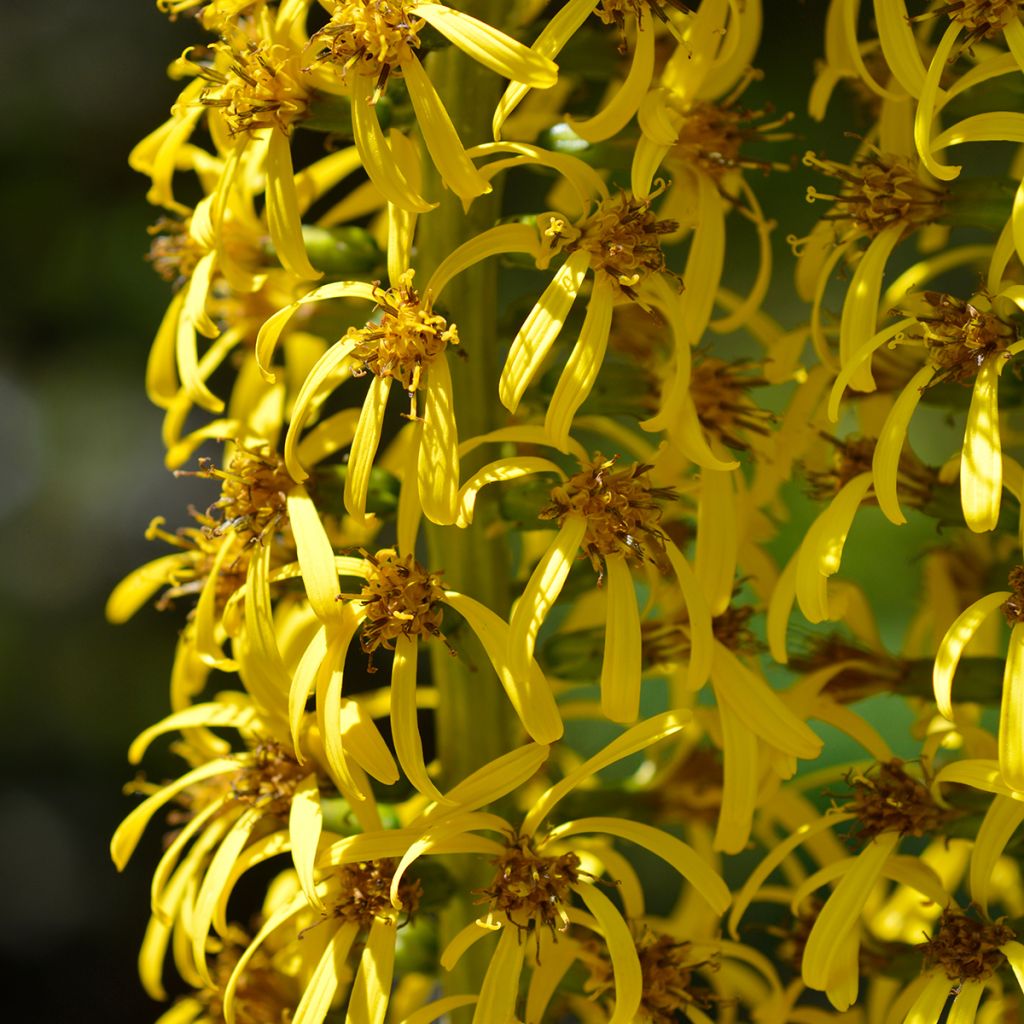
[[965, 948], [720, 392], [261, 87], [887, 799], [401, 599], [364, 893], [532, 890], [960, 336], [254, 489], [877, 191], [406, 340], [369, 37], [268, 780], [622, 509], [173, 253], [1013, 607], [622, 238]]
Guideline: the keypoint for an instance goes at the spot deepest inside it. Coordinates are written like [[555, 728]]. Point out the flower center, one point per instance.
[[254, 491], [621, 508], [173, 253], [960, 336], [615, 12], [876, 192], [887, 799], [260, 88], [369, 37], [720, 394], [263, 994], [401, 599], [982, 18], [408, 338], [364, 892], [966, 948], [621, 236], [852, 457], [1013, 607], [269, 780], [531, 890], [667, 641]]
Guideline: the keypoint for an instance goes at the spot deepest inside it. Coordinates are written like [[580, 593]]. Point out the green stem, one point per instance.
[[474, 721]]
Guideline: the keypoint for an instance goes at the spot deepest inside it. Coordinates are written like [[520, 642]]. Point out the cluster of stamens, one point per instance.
[[260, 88], [865, 672], [621, 508], [887, 799], [401, 598], [667, 641], [983, 19], [621, 237], [406, 340], [720, 394], [173, 253], [532, 890], [254, 489], [960, 336], [877, 191], [967, 949], [369, 37], [852, 456], [363, 892], [268, 779], [1013, 607]]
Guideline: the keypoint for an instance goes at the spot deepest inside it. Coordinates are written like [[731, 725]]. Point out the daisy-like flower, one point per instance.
[[882, 198], [887, 803], [371, 41], [539, 870], [407, 344], [399, 605], [964, 342], [1011, 717]]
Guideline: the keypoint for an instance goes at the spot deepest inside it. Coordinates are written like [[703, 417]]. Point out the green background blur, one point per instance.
[[82, 472]]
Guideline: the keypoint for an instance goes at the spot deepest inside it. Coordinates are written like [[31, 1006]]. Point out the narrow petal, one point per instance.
[[283, 217], [842, 910], [673, 851], [490, 47], [375, 153], [404, 727], [438, 461], [899, 45], [371, 990], [500, 988], [439, 1009], [1011, 713], [621, 947], [364, 446], [1003, 817], [442, 140], [717, 539], [540, 329], [739, 785], [580, 372], [316, 557], [495, 472], [305, 823], [981, 463], [699, 614], [207, 619], [541, 592], [978, 773], [928, 1006], [1014, 953], [995, 126], [329, 679], [161, 368], [505, 238], [531, 694], [327, 975], [930, 98], [188, 368], [965, 1006], [616, 114], [211, 715], [140, 585], [620, 667], [952, 646]]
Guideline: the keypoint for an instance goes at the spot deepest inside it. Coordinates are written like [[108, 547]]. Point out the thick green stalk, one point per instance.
[[475, 723]]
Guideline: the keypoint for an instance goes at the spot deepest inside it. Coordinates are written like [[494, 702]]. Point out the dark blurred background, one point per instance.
[[82, 475]]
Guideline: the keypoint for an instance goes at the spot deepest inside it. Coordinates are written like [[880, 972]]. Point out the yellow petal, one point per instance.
[[1014, 953], [675, 852], [371, 990], [439, 1009], [899, 45], [540, 329], [442, 140], [495, 472], [327, 975], [438, 460], [739, 784], [212, 715], [953, 643], [1003, 817], [620, 667], [541, 592], [699, 614], [490, 47], [995, 126], [930, 98], [500, 988], [404, 727], [364, 446], [577, 379], [978, 773], [141, 584], [965, 1007], [303, 680], [717, 539], [305, 823], [531, 694], [981, 462], [316, 556], [283, 217], [505, 238], [1011, 713]]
